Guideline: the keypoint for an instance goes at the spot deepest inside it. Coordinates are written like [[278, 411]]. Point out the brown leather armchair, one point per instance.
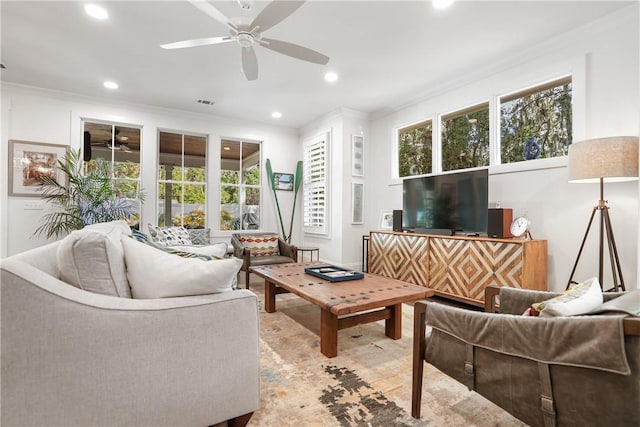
[[244, 246], [546, 371]]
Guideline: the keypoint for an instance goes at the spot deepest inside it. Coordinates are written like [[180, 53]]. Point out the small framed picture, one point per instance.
[[386, 220], [29, 162], [357, 155], [357, 203], [283, 181]]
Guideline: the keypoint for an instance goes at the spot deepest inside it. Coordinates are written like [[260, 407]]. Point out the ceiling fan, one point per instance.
[[248, 36]]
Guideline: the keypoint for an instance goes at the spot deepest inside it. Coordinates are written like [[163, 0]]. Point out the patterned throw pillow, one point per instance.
[[261, 245], [199, 236], [169, 236], [143, 238]]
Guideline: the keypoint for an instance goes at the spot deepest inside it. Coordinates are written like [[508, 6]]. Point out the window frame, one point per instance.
[[183, 181], [241, 186]]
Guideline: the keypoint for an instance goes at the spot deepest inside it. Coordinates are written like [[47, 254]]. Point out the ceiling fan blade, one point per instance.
[[197, 42], [294, 51], [249, 63], [213, 12], [275, 12]]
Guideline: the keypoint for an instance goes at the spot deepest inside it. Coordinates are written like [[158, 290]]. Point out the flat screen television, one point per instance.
[[457, 202]]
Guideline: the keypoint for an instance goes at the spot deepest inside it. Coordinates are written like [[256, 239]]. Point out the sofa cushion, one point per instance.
[[92, 259], [260, 244], [169, 236], [578, 299], [153, 273]]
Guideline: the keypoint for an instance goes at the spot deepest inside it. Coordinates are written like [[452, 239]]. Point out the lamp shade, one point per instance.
[[613, 159]]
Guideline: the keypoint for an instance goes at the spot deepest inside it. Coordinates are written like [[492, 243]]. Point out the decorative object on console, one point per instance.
[[386, 220], [520, 227], [611, 159], [29, 162]]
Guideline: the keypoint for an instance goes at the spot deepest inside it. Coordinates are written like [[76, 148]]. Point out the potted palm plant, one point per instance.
[[88, 197]]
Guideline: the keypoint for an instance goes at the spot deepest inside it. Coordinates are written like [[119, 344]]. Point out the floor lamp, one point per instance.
[[612, 159]]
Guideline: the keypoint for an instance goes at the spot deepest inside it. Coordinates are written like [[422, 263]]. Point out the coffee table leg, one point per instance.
[[328, 333], [269, 297], [393, 325]]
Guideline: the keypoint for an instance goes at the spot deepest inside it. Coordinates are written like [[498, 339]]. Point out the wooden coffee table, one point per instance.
[[342, 303]]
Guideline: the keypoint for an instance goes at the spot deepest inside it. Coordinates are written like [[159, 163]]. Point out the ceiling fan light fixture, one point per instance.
[[96, 11], [442, 4]]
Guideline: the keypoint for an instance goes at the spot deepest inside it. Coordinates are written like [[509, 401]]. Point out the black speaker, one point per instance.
[[499, 223], [87, 146], [397, 220]]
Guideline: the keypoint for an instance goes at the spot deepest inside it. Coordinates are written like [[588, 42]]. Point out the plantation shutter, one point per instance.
[[315, 187]]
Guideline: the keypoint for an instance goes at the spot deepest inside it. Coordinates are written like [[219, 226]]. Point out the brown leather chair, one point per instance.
[[552, 371], [242, 248]]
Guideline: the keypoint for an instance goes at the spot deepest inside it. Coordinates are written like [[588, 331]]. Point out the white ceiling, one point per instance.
[[386, 53]]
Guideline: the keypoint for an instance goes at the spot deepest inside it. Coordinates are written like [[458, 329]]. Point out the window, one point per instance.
[[182, 180], [315, 191], [536, 123], [465, 138], [119, 146], [239, 185], [415, 148]]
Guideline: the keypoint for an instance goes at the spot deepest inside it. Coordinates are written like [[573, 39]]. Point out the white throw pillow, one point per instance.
[[578, 299], [153, 273], [169, 236], [92, 259], [215, 250]]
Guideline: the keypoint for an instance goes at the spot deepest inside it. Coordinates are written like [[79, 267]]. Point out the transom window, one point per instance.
[[536, 123], [415, 149], [465, 138]]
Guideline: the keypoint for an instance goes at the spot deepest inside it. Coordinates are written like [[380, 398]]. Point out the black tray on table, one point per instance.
[[333, 273]]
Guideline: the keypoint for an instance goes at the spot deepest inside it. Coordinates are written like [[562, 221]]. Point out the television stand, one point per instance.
[[459, 267]]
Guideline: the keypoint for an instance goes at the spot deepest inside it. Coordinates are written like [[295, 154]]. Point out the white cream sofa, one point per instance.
[[76, 358]]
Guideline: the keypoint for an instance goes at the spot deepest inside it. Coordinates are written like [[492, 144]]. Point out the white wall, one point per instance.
[[603, 59], [33, 114]]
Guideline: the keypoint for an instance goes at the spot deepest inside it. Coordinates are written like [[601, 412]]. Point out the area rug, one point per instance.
[[367, 384]]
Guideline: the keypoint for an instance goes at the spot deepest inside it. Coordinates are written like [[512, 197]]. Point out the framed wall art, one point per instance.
[[29, 162], [357, 203], [357, 155], [283, 181]]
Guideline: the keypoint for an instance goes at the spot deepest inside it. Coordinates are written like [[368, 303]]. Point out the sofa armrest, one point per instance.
[[83, 359]]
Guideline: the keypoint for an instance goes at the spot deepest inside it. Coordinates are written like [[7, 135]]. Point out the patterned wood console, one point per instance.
[[459, 267]]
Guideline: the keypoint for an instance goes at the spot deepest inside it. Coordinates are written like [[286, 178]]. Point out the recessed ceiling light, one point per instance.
[[331, 76], [110, 85], [442, 4], [96, 11], [276, 114]]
